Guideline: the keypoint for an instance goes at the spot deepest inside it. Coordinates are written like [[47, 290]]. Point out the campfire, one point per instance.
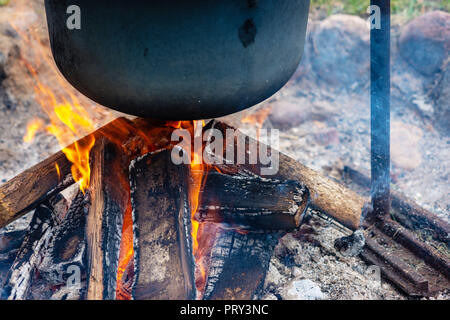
[[145, 228]]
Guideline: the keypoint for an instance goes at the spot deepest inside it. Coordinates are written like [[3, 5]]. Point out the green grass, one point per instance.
[[408, 9]]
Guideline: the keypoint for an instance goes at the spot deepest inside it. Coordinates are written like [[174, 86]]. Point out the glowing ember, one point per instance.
[[125, 256]]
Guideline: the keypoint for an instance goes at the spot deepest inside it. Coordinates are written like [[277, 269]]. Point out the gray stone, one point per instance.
[[341, 51], [425, 42], [303, 289]]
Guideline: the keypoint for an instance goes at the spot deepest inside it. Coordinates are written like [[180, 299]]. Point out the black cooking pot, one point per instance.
[[178, 59]]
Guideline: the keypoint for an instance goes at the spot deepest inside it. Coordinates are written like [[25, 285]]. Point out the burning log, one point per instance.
[[20, 276], [327, 196], [109, 200], [52, 251], [26, 191], [252, 202], [238, 265], [32, 187], [165, 266]]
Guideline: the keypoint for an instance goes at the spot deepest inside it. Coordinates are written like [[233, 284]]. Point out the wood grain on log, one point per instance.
[[165, 267], [30, 188], [252, 202], [94, 224], [110, 198], [327, 195]]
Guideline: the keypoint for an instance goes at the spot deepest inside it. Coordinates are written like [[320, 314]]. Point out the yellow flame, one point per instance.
[[197, 173], [58, 171]]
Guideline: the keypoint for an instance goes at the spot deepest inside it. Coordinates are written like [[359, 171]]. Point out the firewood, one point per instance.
[[94, 225], [327, 195], [51, 248], [32, 187], [238, 265], [10, 242], [26, 191], [20, 277], [164, 261], [252, 202], [65, 253], [110, 197]]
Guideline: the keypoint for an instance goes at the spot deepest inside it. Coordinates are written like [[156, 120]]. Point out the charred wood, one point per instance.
[[110, 197], [21, 275], [163, 248], [252, 202], [238, 265], [63, 262], [51, 258]]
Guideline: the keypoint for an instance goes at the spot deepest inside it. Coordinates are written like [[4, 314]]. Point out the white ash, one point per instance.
[[310, 255]]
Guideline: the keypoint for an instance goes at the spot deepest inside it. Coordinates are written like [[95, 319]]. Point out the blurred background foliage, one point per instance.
[[403, 9]]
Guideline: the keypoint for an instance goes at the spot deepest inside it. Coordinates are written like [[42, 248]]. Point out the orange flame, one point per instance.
[[33, 127], [78, 152], [68, 120], [198, 175], [126, 255]]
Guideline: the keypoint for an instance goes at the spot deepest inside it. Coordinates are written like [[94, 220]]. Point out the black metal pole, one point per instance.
[[380, 109]]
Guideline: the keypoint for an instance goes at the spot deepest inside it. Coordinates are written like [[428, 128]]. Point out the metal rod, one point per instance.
[[380, 108]]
